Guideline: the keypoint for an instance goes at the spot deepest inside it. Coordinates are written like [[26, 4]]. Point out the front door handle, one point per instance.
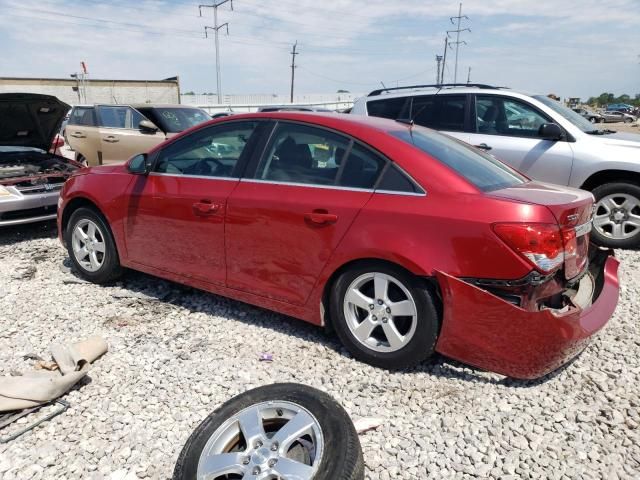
[[484, 146], [205, 208], [111, 139], [320, 217], [78, 135]]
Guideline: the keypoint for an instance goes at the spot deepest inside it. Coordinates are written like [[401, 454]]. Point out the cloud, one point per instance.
[[352, 44]]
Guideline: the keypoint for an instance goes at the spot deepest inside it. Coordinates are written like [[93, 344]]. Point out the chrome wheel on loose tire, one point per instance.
[[91, 246], [384, 315], [616, 219], [282, 431]]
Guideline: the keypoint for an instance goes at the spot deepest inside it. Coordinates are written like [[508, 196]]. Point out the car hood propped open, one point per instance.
[[30, 119]]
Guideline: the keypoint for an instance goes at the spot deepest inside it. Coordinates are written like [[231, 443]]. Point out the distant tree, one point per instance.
[[189, 93], [343, 91]]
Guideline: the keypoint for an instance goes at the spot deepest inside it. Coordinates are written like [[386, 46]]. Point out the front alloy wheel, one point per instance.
[[88, 245], [91, 246]]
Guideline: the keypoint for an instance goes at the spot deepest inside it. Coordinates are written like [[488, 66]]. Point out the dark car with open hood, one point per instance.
[[30, 176]]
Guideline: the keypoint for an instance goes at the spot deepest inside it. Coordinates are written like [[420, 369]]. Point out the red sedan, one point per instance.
[[402, 240]]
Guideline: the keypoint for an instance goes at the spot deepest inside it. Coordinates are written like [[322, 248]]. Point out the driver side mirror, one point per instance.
[[146, 126], [551, 131], [139, 165]]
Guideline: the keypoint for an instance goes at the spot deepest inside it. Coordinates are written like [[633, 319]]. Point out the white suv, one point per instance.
[[536, 135]]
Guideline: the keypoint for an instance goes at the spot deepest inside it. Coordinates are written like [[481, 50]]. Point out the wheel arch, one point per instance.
[[609, 176], [430, 283], [73, 205]]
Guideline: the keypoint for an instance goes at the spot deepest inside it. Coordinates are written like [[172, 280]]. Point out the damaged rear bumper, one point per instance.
[[485, 331]]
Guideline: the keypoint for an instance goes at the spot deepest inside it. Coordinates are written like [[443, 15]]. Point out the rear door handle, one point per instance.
[[321, 217], [111, 139], [484, 146], [205, 208]]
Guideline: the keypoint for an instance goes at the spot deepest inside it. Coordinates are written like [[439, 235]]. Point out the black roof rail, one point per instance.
[[439, 85]]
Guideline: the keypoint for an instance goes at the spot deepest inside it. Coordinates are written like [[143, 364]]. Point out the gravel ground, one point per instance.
[[177, 353]]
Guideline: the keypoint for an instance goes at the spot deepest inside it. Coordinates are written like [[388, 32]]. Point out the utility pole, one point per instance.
[[293, 67], [457, 21], [469, 76], [438, 61], [216, 28], [444, 60]]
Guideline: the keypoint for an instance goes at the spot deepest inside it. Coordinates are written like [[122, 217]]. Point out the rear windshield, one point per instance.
[[482, 170]]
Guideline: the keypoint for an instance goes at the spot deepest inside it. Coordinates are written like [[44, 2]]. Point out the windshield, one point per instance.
[[482, 170], [568, 114], [175, 119]]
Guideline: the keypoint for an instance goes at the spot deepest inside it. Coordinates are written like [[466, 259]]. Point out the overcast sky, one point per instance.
[[571, 48]]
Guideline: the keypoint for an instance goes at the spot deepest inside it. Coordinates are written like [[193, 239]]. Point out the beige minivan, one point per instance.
[[102, 134]]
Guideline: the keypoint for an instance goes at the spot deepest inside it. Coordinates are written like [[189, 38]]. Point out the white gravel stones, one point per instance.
[[177, 353]]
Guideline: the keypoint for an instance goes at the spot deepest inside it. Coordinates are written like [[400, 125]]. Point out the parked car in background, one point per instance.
[[31, 171], [102, 134], [590, 115], [404, 240], [555, 144], [618, 117], [620, 107]]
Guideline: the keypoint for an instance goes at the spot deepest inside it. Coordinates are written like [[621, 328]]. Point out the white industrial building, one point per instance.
[[74, 91]]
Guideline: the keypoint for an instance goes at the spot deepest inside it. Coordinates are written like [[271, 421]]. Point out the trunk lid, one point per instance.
[[30, 120], [572, 209]]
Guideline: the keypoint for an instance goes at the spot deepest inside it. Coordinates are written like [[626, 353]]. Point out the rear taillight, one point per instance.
[[541, 244]]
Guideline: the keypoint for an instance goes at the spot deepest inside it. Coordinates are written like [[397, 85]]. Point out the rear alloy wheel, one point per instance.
[[617, 215], [91, 246], [281, 431], [384, 316]]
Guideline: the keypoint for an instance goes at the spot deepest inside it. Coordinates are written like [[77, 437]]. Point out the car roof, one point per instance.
[[442, 90], [350, 124], [162, 105]]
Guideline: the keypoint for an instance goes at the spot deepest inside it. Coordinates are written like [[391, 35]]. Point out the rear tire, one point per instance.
[[391, 329], [617, 218], [628, 120], [91, 246]]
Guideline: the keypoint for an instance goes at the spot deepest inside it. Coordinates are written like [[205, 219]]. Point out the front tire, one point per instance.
[[91, 246], [617, 215], [384, 316], [276, 431]]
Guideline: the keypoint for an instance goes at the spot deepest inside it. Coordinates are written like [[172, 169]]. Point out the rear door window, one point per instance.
[[84, 116], [362, 168], [303, 154], [392, 108], [120, 117], [440, 112]]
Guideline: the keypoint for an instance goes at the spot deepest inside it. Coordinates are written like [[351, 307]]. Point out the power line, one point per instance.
[[457, 43]]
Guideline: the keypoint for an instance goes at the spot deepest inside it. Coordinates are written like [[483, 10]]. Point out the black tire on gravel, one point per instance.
[[418, 349], [110, 269], [342, 456], [611, 189]]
